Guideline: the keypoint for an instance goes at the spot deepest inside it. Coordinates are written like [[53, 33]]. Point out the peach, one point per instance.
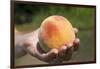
[[55, 31]]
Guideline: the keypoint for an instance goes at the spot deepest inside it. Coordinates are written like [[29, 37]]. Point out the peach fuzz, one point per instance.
[[55, 31]]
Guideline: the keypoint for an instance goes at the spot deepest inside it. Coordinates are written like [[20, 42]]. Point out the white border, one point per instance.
[[5, 34]]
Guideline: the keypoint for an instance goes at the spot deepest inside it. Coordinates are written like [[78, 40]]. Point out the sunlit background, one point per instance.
[[28, 17]]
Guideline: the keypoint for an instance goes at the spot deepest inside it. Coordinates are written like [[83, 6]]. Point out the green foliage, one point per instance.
[[80, 17]]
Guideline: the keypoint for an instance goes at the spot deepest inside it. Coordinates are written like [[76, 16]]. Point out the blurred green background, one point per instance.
[[29, 17]]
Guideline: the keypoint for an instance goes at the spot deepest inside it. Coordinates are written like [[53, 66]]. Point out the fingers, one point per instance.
[[69, 52], [62, 52], [55, 56], [71, 48], [47, 57], [63, 48], [65, 53], [50, 56], [70, 45], [76, 44], [75, 30], [60, 56], [76, 41]]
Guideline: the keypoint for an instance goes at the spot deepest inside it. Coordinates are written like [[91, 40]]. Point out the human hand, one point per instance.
[[54, 56]]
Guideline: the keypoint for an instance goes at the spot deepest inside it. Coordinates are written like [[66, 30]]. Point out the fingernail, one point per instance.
[[77, 40], [64, 47], [70, 45], [55, 51], [76, 30], [43, 54]]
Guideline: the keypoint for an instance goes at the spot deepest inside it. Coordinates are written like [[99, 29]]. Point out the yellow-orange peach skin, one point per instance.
[[56, 31]]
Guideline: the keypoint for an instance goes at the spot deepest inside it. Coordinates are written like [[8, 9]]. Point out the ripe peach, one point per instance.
[[55, 31]]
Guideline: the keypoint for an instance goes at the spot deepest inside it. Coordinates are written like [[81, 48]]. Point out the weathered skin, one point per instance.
[[28, 43]]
